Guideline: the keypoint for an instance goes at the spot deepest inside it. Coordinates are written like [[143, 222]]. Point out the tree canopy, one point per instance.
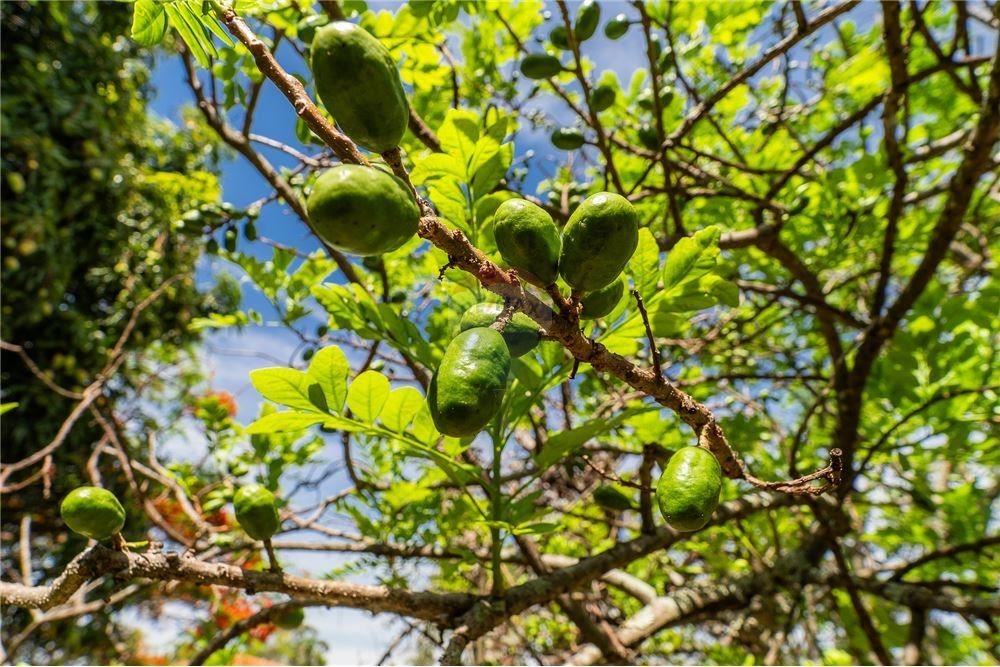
[[810, 297]]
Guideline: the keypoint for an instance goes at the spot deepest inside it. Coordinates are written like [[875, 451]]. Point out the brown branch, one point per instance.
[[487, 614], [590, 630], [779, 49], [976, 161], [99, 561]]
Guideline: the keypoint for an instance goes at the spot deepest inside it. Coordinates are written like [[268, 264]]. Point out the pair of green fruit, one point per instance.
[[590, 254], [355, 209], [96, 513]]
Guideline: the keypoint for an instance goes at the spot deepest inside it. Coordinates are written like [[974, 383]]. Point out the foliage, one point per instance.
[[815, 264]]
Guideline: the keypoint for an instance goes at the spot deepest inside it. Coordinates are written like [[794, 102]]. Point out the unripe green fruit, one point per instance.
[[588, 16], [688, 491], [92, 512], [521, 334], [648, 137], [527, 239], [358, 82], [567, 138], [602, 97], [611, 498], [291, 619], [601, 302], [362, 210], [540, 66], [616, 27], [559, 39], [468, 387], [257, 511], [598, 241]]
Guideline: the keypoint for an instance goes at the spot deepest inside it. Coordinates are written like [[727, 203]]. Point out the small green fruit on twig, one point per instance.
[[688, 491], [257, 513], [93, 512]]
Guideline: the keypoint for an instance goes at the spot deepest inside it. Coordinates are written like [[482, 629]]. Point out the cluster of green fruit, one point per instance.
[[367, 211], [356, 209], [96, 513], [590, 254]]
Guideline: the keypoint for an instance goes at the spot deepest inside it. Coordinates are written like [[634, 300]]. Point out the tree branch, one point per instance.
[[99, 561]]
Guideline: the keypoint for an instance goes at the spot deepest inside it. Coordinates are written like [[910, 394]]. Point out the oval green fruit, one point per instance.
[[358, 82], [257, 511], [528, 240], [616, 27], [688, 490], [521, 334], [601, 302], [588, 16], [567, 138], [291, 618], [468, 387], [598, 241], [648, 137], [540, 66], [602, 97], [362, 210], [559, 39], [92, 512], [612, 498]]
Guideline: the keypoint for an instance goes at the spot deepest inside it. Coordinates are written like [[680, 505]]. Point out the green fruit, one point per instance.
[[362, 210], [540, 66], [602, 97], [527, 239], [521, 334], [291, 618], [601, 302], [467, 389], [257, 511], [567, 138], [587, 19], [688, 490], [357, 80], [611, 498], [645, 98], [559, 39], [598, 241], [93, 512], [648, 137], [616, 27]]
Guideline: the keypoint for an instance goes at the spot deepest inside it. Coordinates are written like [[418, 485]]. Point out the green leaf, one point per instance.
[[187, 21], [564, 442], [284, 422], [367, 395], [458, 135], [400, 408], [692, 257], [7, 407], [535, 528], [327, 379], [284, 386], [149, 23], [645, 263]]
